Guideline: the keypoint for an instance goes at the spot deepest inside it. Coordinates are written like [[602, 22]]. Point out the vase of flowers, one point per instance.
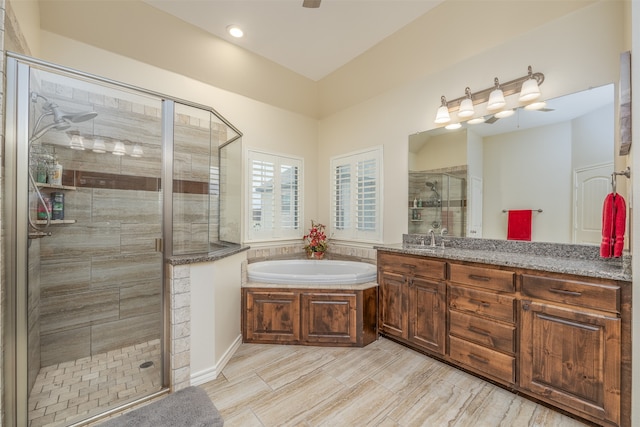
[[316, 241]]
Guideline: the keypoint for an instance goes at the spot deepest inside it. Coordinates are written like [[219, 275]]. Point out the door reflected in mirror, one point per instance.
[[558, 159]]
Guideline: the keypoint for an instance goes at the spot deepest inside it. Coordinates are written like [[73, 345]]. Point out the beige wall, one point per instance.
[[575, 52]]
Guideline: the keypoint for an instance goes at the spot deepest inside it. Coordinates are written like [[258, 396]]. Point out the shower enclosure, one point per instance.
[[437, 201], [88, 225]]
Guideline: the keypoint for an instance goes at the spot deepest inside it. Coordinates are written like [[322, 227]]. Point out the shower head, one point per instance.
[[432, 187], [61, 120], [59, 115]]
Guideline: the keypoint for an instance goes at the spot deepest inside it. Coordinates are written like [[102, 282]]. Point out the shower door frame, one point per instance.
[[15, 241]]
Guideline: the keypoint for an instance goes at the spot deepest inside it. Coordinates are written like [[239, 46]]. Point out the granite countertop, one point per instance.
[[557, 258], [206, 257]]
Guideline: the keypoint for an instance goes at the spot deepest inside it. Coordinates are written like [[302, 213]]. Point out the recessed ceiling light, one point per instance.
[[235, 31]]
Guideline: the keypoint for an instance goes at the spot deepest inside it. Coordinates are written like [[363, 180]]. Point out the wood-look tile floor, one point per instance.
[[383, 384]]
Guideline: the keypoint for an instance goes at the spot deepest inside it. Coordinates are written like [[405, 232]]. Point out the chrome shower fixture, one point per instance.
[[61, 120]]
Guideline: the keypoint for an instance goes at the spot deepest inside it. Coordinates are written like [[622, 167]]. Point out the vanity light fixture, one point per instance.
[[235, 31], [99, 147], [76, 143], [496, 97], [476, 120], [118, 149], [442, 116], [466, 106], [528, 88], [504, 113], [535, 105], [136, 151]]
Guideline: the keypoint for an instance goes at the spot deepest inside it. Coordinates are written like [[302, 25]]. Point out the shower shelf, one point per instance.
[[56, 221], [56, 187]]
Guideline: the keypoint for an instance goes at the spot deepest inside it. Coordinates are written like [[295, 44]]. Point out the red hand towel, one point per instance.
[[620, 223], [519, 225], [614, 222], [606, 246]]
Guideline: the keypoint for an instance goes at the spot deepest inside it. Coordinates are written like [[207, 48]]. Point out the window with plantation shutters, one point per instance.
[[356, 196], [275, 196]]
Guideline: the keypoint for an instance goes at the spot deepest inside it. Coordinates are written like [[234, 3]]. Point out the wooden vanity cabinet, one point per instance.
[[412, 300], [482, 320], [571, 345]]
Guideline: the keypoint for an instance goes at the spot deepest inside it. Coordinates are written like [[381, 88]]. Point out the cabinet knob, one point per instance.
[[525, 307]]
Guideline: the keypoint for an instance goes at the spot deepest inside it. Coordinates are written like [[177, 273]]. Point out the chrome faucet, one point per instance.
[[433, 238], [443, 233]]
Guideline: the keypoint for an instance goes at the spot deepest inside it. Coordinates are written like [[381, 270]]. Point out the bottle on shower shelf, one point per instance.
[[55, 174], [57, 205], [41, 171], [44, 210]]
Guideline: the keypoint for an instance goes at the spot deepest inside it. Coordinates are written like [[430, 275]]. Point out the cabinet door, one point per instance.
[[393, 308], [329, 317], [572, 357], [427, 314], [272, 316]]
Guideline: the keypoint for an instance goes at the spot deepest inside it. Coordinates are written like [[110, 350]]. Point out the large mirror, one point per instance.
[[556, 161]]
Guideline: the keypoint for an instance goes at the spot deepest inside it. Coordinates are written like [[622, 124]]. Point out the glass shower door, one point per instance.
[[94, 317]]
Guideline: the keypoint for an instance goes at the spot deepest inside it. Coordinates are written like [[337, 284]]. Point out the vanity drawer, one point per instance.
[[584, 294], [487, 278], [483, 331], [412, 266], [491, 362], [497, 306]]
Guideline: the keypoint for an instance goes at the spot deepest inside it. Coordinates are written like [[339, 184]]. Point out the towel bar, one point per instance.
[[532, 210]]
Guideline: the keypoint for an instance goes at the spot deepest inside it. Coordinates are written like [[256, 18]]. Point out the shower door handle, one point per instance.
[[159, 245]]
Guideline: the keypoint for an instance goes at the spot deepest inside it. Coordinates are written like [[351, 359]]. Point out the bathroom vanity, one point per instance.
[[555, 329]]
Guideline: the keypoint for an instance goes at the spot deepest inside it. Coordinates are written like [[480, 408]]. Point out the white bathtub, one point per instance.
[[311, 272]]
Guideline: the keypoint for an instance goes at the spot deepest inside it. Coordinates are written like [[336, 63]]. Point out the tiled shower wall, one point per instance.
[[100, 278]]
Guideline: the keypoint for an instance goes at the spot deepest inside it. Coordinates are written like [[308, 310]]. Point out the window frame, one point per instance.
[[278, 160], [352, 233]]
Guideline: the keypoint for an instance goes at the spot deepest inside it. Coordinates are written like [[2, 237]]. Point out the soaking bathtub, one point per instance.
[[310, 302], [311, 272]]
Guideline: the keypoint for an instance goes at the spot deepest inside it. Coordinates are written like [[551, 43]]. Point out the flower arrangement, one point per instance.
[[316, 240]]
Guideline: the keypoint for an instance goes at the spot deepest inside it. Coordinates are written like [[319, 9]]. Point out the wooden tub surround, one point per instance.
[[558, 338], [324, 316]]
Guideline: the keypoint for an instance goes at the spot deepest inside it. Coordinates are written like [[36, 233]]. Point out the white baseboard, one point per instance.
[[212, 373]]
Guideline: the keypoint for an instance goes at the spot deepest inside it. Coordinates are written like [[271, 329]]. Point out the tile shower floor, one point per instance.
[[72, 391]]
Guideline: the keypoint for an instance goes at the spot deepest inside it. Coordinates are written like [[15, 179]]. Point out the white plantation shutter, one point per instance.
[[275, 196], [356, 196]]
